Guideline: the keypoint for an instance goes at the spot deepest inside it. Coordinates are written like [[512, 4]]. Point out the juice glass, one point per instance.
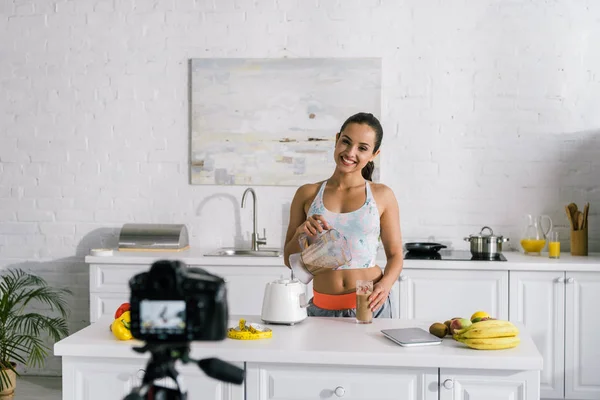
[[554, 245]]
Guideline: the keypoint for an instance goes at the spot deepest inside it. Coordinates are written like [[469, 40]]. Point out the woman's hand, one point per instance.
[[313, 225], [379, 296]]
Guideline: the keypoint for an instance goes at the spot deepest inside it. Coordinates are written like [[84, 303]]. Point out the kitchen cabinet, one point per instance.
[[301, 382], [537, 299], [114, 378], [439, 295], [246, 285], [559, 310], [582, 330], [109, 286], [479, 385]]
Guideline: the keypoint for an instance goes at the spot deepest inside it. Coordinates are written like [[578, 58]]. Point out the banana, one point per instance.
[[485, 324], [491, 343], [490, 332]]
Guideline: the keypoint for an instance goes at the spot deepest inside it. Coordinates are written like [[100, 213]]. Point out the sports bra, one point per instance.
[[360, 227]]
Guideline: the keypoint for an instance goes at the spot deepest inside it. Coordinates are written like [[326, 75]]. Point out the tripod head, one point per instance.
[[162, 365]]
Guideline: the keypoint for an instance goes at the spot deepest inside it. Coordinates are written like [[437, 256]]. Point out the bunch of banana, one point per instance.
[[491, 334]]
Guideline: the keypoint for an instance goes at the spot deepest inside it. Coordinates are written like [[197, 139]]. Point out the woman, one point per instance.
[[364, 212]]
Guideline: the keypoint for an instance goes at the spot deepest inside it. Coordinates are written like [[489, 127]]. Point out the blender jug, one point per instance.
[[328, 250], [535, 236]]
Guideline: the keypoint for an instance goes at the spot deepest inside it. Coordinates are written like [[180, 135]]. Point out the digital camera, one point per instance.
[[175, 303]]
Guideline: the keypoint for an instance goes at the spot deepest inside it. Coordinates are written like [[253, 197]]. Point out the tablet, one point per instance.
[[409, 337]]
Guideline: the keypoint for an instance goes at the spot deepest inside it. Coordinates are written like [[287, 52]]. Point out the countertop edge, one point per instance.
[[515, 261], [95, 341]]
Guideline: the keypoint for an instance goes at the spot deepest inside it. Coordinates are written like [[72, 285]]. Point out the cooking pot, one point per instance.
[[486, 246]]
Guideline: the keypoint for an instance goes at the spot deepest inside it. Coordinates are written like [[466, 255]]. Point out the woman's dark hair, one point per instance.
[[367, 119]]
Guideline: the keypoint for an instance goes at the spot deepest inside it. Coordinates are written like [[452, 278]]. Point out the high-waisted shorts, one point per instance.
[[343, 305]]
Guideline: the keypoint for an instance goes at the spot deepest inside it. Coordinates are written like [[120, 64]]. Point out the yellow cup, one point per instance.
[[554, 245]]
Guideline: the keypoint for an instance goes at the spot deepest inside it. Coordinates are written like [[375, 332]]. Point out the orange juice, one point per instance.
[[554, 249], [533, 245]]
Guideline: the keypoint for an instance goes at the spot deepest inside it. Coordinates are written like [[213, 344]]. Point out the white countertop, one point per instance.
[[515, 261], [316, 340]]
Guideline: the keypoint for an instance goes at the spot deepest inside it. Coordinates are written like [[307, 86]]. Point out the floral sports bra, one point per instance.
[[360, 227]]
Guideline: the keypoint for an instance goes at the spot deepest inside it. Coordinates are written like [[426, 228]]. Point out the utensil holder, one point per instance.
[[579, 242]]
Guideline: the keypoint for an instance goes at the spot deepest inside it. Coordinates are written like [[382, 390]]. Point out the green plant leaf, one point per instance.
[[22, 331]]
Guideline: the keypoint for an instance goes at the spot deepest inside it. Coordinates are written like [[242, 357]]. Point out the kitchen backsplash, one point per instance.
[[489, 113]]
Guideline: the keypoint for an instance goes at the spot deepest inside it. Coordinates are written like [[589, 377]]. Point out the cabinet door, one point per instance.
[[488, 385], [99, 379], [304, 382], [105, 304], [438, 295], [537, 299], [582, 355], [246, 286], [103, 379]]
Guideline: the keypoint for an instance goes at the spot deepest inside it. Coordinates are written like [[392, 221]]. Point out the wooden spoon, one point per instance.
[[586, 209], [570, 217], [573, 210], [579, 220]]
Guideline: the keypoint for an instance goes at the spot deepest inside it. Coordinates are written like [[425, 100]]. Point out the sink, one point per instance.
[[245, 253]]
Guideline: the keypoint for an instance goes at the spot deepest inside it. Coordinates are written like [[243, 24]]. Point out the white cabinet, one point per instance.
[[488, 385], [537, 299], [304, 382], [109, 286], [246, 286], [438, 295], [95, 379], [560, 311], [582, 322]]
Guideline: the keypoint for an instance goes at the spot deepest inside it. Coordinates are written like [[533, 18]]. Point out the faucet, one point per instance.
[[256, 240]]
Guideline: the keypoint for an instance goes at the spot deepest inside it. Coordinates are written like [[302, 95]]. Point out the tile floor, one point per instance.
[[38, 388]]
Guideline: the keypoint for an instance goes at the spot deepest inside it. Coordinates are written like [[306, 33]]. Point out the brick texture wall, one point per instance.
[[489, 111]]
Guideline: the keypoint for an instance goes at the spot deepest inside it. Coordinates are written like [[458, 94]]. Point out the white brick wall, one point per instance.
[[490, 112]]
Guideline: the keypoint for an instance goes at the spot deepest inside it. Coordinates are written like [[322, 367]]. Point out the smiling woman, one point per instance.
[[365, 213]]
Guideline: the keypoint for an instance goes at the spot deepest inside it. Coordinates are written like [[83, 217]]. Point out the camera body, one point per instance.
[[175, 303]]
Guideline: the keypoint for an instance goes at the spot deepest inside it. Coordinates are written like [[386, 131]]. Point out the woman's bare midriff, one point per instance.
[[344, 280]]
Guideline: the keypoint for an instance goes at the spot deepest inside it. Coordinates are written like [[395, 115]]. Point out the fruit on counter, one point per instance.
[[438, 329], [479, 315], [491, 334], [458, 324], [492, 343], [121, 309], [447, 323], [121, 327], [488, 329]]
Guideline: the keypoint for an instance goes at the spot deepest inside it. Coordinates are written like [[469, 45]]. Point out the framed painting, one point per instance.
[[274, 121]]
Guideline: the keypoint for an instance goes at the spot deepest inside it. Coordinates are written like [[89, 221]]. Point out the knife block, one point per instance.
[[579, 242]]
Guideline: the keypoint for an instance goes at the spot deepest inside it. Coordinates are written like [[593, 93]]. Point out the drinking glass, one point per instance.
[[554, 245], [364, 315]]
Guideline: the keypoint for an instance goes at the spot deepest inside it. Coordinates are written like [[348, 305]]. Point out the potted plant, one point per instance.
[[22, 328]]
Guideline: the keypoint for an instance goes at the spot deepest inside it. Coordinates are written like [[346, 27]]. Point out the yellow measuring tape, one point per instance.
[[249, 332]]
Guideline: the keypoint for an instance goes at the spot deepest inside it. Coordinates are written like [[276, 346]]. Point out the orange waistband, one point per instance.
[[334, 301]]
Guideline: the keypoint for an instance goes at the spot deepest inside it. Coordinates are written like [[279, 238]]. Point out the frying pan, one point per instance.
[[424, 247]]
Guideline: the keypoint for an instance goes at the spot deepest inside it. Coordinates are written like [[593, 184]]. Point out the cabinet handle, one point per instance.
[[339, 391], [402, 278], [560, 280], [570, 280], [448, 384]]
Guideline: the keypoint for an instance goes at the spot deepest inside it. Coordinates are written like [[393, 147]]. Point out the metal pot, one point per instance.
[[486, 246]]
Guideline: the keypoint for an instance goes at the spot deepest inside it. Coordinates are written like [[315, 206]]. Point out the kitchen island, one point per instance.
[[320, 358], [555, 299]]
